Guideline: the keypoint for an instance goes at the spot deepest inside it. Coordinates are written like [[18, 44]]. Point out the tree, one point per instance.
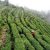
[[6, 1]]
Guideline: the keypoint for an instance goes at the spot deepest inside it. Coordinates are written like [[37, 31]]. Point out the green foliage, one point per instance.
[[20, 23], [27, 43], [19, 45]]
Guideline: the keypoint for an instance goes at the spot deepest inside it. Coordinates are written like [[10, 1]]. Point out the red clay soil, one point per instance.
[[3, 37]]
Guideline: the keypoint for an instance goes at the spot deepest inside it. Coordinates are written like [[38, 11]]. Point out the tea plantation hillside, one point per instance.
[[20, 29]]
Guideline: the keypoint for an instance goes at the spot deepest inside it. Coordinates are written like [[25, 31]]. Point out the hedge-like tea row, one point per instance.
[[42, 42], [30, 37], [19, 45], [27, 43]]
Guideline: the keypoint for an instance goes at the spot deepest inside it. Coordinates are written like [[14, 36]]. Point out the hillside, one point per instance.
[[22, 29]]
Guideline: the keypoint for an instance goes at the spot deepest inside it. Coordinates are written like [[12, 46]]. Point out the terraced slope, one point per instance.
[[21, 30]]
